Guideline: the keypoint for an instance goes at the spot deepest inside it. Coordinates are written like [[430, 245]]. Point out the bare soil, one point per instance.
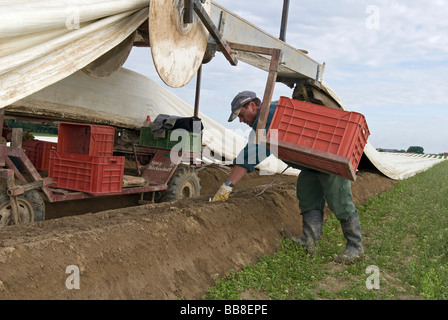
[[156, 251]]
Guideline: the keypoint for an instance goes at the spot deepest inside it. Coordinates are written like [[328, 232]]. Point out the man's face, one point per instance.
[[248, 114]]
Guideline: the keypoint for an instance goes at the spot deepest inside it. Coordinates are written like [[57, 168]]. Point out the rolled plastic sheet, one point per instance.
[[42, 42]]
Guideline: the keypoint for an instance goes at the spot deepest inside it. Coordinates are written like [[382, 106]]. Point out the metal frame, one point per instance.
[[276, 58], [208, 23]]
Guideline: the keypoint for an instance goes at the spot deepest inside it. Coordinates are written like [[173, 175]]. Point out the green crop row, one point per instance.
[[406, 253]]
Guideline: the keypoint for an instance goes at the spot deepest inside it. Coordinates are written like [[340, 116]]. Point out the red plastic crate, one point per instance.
[[90, 174], [318, 137], [39, 152], [88, 139]]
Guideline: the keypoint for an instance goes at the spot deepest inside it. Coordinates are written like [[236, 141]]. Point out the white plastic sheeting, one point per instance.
[[42, 42], [400, 166]]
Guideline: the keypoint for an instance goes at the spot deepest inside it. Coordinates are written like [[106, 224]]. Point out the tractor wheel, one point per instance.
[[31, 207], [184, 183]]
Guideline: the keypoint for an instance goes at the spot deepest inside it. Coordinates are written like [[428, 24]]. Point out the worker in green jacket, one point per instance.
[[314, 188]]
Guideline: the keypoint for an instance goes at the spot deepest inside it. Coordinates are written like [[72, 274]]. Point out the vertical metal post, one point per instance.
[[198, 91], [13, 199], [16, 138], [3, 150], [284, 20], [2, 120], [188, 11], [269, 91]]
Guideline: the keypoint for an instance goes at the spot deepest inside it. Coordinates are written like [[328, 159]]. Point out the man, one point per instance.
[[313, 188]]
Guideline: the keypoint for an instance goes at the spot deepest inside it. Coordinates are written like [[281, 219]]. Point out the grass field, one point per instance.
[[406, 245]]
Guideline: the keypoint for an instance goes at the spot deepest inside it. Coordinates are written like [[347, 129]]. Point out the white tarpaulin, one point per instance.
[[42, 42], [400, 166]]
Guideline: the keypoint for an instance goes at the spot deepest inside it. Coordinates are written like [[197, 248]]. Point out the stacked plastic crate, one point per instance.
[[38, 152], [84, 159]]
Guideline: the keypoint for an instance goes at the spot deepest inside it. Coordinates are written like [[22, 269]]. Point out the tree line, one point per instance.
[[33, 127]]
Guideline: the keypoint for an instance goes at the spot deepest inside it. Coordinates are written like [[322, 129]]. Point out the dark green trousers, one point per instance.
[[314, 188]]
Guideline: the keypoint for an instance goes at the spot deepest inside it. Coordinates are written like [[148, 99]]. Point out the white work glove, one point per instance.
[[223, 193]]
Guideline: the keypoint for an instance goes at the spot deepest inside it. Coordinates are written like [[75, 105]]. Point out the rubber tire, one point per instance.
[[34, 199], [184, 183]]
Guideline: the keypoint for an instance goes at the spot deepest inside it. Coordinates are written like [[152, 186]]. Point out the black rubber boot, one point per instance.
[[351, 228], [312, 230]]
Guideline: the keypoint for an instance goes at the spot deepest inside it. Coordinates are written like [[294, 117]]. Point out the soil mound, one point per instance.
[[155, 251]]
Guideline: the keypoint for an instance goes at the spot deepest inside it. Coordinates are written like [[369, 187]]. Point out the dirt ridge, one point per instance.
[[156, 251]]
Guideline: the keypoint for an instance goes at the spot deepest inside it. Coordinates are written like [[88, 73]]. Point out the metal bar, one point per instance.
[[59, 195], [198, 91], [18, 190], [29, 166], [18, 152], [141, 150], [144, 189], [188, 11], [208, 23], [16, 137], [3, 153], [296, 64], [2, 145], [222, 22], [13, 167], [137, 164], [267, 98], [2, 119], [284, 20], [8, 174], [251, 48], [276, 56], [15, 209]]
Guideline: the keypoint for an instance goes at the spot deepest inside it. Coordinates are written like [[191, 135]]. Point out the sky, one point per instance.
[[385, 59]]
